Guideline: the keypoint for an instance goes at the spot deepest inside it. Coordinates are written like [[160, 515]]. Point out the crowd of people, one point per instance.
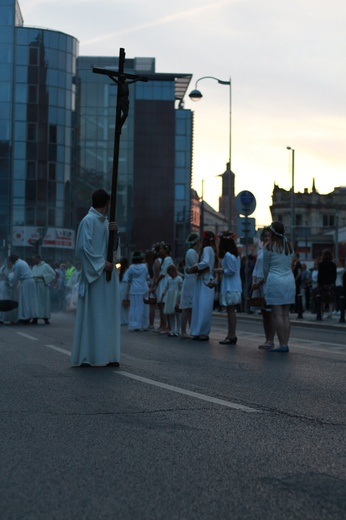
[[38, 288], [182, 296]]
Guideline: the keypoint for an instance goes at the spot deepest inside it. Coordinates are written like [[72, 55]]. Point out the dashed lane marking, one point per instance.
[[27, 336], [58, 349], [179, 390]]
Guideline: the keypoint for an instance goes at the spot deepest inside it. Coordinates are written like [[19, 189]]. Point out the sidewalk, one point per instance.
[[308, 320]]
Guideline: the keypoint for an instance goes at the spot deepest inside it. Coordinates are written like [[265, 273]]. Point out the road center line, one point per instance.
[[197, 395], [27, 336], [58, 349]]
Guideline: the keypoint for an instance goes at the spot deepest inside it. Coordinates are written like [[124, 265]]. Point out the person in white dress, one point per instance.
[[44, 274], [96, 339], [280, 284], [160, 284], [8, 293], [231, 285], [258, 289], [21, 272], [189, 283], [172, 294], [203, 300], [124, 311], [137, 280]]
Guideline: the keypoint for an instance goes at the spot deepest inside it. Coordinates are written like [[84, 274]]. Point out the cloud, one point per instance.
[[190, 13]]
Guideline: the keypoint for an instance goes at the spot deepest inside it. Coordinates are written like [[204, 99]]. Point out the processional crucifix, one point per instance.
[[122, 111]]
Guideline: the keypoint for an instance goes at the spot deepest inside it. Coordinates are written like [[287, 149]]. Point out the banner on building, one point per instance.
[[54, 237]]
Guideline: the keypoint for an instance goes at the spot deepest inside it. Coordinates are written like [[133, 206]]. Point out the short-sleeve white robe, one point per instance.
[[96, 338], [44, 274]]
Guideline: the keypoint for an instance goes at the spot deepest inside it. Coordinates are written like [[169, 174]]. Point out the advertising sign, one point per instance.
[[55, 237]]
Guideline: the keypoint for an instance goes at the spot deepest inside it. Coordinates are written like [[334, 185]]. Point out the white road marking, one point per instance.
[[197, 395], [27, 336], [58, 349]]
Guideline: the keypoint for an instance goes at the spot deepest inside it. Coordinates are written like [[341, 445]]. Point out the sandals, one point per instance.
[[229, 341]]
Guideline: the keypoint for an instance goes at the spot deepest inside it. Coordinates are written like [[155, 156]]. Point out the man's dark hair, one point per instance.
[[13, 258], [99, 198]]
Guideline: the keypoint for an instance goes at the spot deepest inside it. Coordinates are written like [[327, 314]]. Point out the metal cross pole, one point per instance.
[[122, 110]]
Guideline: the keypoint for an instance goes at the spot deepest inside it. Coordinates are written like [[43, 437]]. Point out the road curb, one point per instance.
[[294, 321]]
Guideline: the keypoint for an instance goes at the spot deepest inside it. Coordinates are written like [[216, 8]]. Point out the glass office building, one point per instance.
[[57, 129], [37, 148], [155, 159]]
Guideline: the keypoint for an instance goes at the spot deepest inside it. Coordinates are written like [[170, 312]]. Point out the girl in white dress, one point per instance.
[[203, 300], [280, 284], [231, 287], [165, 255], [137, 278], [171, 294], [189, 283]]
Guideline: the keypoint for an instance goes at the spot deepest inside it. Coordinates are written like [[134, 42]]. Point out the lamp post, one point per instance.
[[196, 95], [292, 197]]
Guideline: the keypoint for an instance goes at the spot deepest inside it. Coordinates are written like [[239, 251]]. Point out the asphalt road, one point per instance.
[[183, 430]]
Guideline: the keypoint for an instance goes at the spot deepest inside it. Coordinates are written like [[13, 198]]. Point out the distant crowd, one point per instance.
[[181, 295]]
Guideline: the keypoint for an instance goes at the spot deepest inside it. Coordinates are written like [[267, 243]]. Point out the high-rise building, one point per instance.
[[57, 123], [37, 106], [155, 159]]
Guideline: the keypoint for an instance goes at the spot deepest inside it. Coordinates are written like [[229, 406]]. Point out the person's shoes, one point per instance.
[[171, 335], [176, 334], [34, 321], [113, 364], [184, 336], [279, 349], [229, 341], [85, 365], [47, 322], [266, 346], [200, 338]]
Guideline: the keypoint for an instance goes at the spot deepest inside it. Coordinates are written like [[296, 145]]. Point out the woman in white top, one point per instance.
[[203, 300], [231, 287], [281, 289], [189, 284]]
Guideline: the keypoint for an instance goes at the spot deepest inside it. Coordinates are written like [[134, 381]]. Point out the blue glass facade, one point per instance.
[[37, 104], [155, 160], [57, 129]]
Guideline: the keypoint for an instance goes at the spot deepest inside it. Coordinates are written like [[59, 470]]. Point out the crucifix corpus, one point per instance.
[[122, 110]]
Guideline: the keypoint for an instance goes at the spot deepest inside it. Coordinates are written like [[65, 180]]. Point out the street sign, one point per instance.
[[246, 227], [245, 203]]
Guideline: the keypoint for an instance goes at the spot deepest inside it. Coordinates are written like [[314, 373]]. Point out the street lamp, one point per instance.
[[196, 95], [292, 197]]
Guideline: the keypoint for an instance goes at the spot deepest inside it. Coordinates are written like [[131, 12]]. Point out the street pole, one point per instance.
[[230, 159], [196, 95], [292, 198]]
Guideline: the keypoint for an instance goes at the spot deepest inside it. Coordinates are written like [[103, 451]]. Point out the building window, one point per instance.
[[31, 170], [33, 56], [30, 216], [32, 94], [31, 131], [179, 191], [299, 220], [51, 171], [328, 220], [52, 133]]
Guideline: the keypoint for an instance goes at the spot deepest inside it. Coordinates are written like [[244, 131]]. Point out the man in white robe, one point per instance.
[[44, 274], [8, 293], [27, 307], [96, 338]]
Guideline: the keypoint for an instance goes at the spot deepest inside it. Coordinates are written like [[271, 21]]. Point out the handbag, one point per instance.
[[151, 300], [126, 302], [256, 301]]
